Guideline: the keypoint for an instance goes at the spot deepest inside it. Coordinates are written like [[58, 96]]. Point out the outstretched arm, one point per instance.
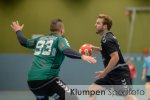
[[95, 48], [18, 29], [73, 54]]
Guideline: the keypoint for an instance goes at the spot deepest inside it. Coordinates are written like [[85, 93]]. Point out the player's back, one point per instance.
[[47, 58]]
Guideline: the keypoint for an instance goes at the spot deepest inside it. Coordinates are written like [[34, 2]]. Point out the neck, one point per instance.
[[103, 33], [58, 33]]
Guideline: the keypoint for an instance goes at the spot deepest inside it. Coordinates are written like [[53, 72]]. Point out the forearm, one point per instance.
[[22, 40], [144, 72], [113, 61], [71, 53], [96, 48]]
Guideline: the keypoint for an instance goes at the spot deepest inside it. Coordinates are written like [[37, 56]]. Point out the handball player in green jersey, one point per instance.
[[49, 53]]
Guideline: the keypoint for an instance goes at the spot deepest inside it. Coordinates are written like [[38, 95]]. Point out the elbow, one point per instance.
[[23, 42], [117, 58]]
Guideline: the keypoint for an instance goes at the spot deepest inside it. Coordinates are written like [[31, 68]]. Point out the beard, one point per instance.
[[99, 31]]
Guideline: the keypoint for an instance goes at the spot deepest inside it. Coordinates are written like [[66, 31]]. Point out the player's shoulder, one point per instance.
[[62, 38], [63, 41], [109, 37]]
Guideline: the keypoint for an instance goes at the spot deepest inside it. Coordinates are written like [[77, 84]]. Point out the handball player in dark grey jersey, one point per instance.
[[116, 72]]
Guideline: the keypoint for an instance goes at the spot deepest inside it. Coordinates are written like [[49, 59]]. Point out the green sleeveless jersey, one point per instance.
[[48, 56]]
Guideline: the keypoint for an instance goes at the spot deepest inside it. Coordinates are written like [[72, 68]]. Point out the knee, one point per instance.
[[130, 97], [92, 87], [148, 86], [95, 87]]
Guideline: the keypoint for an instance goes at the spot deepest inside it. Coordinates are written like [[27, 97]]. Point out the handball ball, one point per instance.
[[86, 49]]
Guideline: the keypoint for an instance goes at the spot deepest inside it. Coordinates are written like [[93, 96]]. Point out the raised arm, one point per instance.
[[18, 29]]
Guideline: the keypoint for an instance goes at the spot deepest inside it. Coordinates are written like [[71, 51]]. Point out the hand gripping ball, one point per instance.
[[86, 49]]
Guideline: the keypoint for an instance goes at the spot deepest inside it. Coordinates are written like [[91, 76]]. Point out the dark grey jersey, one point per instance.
[[109, 44]]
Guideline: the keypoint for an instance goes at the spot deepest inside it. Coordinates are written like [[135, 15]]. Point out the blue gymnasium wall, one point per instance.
[[14, 68]]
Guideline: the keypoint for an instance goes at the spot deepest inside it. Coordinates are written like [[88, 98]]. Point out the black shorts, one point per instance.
[[119, 82], [147, 78], [54, 88]]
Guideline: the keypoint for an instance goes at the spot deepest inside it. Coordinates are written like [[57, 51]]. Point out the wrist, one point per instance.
[[17, 31], [105, 71], [82, 56]]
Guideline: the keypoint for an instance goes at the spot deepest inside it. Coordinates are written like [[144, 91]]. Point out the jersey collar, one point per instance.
[[106, 34], [55, 34]]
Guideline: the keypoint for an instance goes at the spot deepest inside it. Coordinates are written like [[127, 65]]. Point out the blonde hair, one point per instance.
[[106, 20]]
